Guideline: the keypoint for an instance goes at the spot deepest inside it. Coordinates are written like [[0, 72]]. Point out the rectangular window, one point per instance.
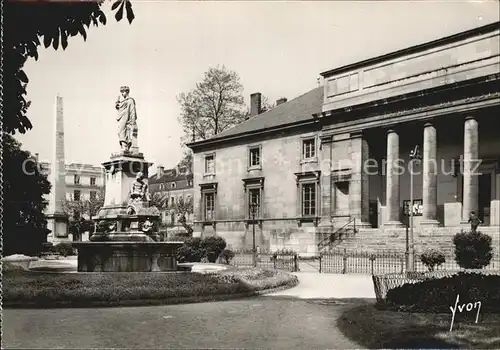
[[254, 197], [209, 206], [309, 149], [76, 179], [309, 199], [76, 195], [254, 156], [92, 181], [93, 195], [209, 164]]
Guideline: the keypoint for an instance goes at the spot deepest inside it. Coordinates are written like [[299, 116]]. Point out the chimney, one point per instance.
[[36, 157], [159, 171], [281, 101], [255, 104]]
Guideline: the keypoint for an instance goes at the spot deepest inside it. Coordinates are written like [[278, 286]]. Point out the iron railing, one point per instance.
[[382, 262], [267, 260], [337, 234]]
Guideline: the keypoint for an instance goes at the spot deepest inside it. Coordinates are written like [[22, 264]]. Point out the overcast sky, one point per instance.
[[277, 48]]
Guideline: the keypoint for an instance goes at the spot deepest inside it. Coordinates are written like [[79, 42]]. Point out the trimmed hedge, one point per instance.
[[113, 289], [432, 258], [438, 294], [473, 250]]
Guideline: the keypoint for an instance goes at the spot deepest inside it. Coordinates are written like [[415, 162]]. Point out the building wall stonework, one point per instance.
[[280, 160], [372, 111]]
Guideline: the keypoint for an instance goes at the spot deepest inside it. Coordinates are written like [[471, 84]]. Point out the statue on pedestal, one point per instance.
[[139, 194], [127, 119]]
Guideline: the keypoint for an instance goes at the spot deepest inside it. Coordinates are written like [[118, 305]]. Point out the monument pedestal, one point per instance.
[[121, 171], [58, 225], [126, 235]]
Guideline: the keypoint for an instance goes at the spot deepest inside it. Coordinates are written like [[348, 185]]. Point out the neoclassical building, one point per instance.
[[172, 184], [340, 153]]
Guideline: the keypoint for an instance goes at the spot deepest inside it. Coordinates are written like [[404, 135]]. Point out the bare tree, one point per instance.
[[187, 160], [159, 200], [215, 105], [90, 207], [183, 207], [265, 105]]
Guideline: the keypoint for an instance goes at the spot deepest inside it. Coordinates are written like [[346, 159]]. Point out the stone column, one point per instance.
[[326, 180], [470, 162], [358, 186], [392, 201], [57, 220], [429, 164]]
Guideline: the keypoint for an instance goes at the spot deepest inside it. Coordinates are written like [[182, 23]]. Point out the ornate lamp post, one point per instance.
[[253, 209], [414, 155]]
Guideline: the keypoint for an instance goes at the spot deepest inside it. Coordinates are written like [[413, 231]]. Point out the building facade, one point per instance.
[[341, 153], [174, 185], [82, 181]]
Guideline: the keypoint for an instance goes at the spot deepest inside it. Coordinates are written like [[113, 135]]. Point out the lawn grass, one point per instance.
[[374, 328], [28, 289]]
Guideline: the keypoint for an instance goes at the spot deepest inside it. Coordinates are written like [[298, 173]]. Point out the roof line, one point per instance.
[[416, 48], [207, 142]]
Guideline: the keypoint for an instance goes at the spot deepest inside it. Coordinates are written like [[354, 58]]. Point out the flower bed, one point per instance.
[[113, 289]]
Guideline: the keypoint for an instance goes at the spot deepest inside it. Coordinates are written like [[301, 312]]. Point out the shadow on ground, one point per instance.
[[374, 328]]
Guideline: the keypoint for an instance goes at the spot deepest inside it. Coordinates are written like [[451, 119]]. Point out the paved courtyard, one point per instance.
[[262, 322], [282, 320], [314, 285]]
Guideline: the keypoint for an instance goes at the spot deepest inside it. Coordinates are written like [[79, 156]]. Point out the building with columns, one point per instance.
[[340, 153]]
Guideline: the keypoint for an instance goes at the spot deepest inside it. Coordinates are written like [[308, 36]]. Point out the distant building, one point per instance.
[[83, 181], [172, 184]]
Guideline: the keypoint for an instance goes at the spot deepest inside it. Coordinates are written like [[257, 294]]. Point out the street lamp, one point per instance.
[[414, 155], [253, 209]]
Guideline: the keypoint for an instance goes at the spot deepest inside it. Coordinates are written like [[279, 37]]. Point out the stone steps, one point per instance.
[[395, 240]]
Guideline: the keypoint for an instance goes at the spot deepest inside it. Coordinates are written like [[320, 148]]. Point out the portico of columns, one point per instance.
[[429, 176]]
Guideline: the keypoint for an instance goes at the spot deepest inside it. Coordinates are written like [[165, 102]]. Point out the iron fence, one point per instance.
[[267, 260], [383, 262]]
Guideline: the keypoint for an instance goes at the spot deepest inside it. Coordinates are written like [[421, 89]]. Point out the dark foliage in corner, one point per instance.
[[26, 26], [24, 186], [473, 250]]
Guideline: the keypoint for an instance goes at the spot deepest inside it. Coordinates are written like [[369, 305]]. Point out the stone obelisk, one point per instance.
[[57, 220]]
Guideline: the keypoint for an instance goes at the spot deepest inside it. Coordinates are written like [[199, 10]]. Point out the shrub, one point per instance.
[[201, 250], [432, 258], [280, 253], [190, 251], [438, 294], [473, 250], [64, 249], [226, 256], [212, 247]]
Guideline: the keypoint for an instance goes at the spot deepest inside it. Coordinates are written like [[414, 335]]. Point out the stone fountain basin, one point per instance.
[[127, 256]]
